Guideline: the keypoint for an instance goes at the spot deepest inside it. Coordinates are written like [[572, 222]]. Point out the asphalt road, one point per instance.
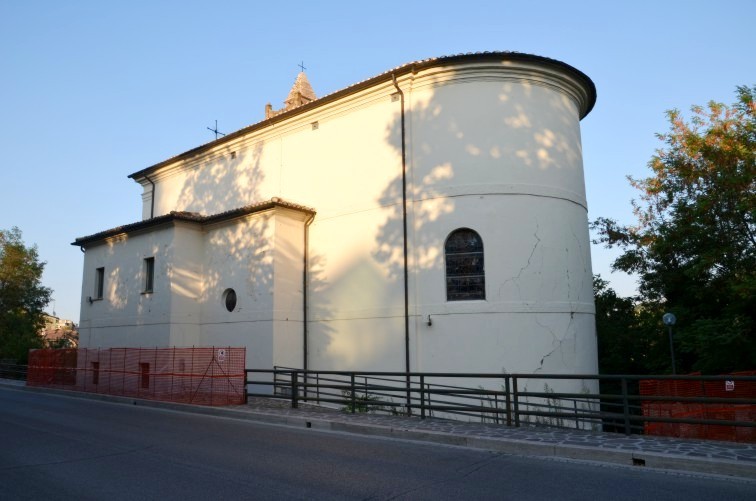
[[57, 447]]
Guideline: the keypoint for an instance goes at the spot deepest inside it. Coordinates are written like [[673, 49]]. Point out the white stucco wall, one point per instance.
[[259, 256], [495, 148], [184, 275], [126, 316]]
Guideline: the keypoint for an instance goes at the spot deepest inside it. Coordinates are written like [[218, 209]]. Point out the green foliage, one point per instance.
[[554, 405], [362, 402], [631, 337], [22, 297], [693, 247]]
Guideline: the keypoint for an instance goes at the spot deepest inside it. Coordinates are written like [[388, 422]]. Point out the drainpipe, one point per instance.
[[404, 233], [152, 198], [304, 295]]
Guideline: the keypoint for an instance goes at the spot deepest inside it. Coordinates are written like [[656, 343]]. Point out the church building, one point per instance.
[[431, 218]]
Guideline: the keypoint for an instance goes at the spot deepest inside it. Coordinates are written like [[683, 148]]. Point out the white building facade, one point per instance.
[[432, 218]]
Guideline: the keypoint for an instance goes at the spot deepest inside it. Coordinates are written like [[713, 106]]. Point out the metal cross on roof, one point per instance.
[[302, 66], [215, 130]]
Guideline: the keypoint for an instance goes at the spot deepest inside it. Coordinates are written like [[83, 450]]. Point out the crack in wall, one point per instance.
[[556, 340], [515, 279], [586, 271]]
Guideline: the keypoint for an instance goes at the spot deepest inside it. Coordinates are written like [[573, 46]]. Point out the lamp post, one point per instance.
[[669, 320]]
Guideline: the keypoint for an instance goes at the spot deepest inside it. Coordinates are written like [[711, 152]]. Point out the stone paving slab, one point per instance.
[[701, 456]]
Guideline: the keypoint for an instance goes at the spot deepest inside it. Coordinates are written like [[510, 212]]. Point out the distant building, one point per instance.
[[59, 333], [431, 218]]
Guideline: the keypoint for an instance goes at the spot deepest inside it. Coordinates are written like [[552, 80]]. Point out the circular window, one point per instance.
[[229, 299]]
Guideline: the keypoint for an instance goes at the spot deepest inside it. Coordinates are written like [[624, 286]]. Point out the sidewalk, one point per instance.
[[700, 456]]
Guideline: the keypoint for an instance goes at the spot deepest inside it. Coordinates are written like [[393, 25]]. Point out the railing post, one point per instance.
[[496, 406], [705, 407], [577, 420], [430, 400], [305, 388], [353, 391], [246, 389], [365, 393], [625, 407], [516, 402], [509, 400], [294, 389], [408, 383], [422, 396]]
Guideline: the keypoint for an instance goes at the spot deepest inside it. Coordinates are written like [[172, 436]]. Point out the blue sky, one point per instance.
[[93, 91]]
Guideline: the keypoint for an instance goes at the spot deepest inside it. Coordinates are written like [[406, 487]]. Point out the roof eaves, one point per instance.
[[387, 75], [192, 217]]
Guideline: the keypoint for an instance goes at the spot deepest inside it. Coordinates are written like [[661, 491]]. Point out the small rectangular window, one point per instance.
[[144, 369], [149, 274], [99, 282], [95, 373]]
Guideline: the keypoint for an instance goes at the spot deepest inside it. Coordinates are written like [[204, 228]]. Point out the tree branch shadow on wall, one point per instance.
[[450, 145], [446, 150], [240, 256]]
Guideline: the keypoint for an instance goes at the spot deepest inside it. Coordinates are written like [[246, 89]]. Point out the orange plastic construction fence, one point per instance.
[[205, 376], [689, 410]]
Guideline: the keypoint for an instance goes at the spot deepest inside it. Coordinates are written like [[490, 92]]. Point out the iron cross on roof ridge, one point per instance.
[[215, 130]]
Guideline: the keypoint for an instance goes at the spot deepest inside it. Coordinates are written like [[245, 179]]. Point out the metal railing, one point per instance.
[[12, 371], [611, 403], [583, 401]]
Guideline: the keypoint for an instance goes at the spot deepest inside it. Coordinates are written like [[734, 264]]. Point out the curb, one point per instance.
[[655, 460]]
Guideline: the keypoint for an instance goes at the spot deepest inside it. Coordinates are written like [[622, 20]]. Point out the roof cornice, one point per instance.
[[191, 217], [477, 57]]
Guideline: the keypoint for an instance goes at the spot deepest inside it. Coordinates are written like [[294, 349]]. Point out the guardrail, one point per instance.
[[584, 401], [611, 403], [13, 371]]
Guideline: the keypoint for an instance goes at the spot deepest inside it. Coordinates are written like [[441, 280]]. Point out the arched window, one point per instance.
[[465, 276]]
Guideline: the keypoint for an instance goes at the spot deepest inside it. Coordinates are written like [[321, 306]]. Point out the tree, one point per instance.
[[22, 297], [693, 247], [629, 338]]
